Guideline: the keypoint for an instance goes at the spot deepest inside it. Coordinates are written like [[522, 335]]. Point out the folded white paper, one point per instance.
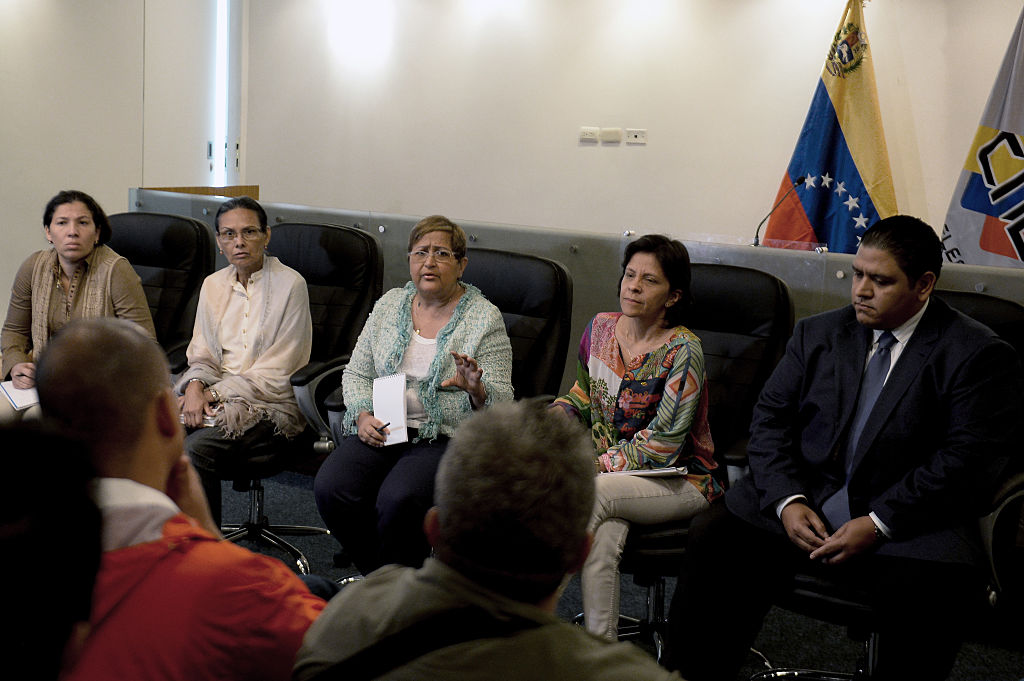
[[389, 406]]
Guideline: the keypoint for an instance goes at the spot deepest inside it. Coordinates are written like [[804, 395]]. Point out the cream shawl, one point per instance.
[[263, 390]]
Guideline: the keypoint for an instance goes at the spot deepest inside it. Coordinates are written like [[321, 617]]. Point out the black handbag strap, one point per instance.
[[433, 633]]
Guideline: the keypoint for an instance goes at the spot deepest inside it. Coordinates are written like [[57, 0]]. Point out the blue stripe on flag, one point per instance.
[[976, 198], [822, 149]]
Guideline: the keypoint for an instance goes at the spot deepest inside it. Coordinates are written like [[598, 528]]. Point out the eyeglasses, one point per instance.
[[249, 234], [442, 256]]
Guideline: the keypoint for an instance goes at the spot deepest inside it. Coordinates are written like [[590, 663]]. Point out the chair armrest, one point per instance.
[[735, 454], [314, 369], [335, 406], [998, 528], [314, 380]]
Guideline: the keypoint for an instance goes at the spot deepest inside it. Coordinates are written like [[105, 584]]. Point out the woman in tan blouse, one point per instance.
[[77, 277]]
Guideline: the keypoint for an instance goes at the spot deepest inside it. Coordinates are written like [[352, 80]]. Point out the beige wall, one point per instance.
[[98, 95], [472, 107], [70, 111], [476, 114]]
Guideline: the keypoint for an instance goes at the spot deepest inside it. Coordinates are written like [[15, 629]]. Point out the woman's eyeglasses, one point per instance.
[[442, 256], [249, 234]]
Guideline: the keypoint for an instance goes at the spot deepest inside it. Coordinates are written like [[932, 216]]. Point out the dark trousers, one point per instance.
[[733, 572], [373, 499], [219, 458]]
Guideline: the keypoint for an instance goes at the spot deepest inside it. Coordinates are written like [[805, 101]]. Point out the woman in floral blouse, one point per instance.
[[642, 392]]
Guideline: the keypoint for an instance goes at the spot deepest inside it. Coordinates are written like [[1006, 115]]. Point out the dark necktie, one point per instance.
[[837, 507]]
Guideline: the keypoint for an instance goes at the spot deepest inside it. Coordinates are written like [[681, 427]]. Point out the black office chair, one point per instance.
[[343, 269], [813, 595], [744, 318], [172, 255], [1003, 316], [846, 605], [534, 295]]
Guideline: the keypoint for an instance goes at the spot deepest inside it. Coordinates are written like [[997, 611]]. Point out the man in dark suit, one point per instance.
[[873, 445]]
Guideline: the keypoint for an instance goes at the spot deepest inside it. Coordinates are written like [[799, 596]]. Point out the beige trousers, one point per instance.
[[9, 415], [621, 500]]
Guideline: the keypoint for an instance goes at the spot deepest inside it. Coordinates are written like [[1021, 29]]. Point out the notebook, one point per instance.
[[389, 406], [20, 398], [652, 472]]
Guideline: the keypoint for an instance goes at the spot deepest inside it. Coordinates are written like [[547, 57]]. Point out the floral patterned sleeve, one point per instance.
[[577, 401], [658, 445]]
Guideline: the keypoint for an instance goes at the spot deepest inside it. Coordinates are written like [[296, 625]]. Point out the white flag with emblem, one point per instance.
[[985, 220]]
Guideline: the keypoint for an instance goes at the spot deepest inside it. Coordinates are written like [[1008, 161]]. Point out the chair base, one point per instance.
[[805, 674], [267, 534], [651, 628], [351, 579], [867, 665], [259, 530], [632, 628]]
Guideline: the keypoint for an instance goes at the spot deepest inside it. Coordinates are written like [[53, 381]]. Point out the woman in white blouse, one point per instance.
[[253, 331]]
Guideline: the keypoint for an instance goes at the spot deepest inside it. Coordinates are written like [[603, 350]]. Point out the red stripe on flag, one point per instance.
[[994, 239], [789, 222]]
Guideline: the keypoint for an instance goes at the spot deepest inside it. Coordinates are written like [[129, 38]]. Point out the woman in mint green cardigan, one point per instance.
[[450, 343]]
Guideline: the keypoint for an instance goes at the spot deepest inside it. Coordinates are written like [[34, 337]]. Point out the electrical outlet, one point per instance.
[[636, 136]]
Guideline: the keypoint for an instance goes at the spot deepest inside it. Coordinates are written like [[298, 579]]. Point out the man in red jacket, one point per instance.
[[172, 601]]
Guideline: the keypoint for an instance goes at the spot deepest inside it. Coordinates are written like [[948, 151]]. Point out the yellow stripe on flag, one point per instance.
[[849, 77], [1004, 164]]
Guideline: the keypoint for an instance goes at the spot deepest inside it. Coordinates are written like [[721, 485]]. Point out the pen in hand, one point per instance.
[[381, 429]]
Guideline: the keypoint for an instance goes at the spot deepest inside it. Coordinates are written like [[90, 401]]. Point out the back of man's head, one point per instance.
[[96, 379], [911, 242], [49, 523], [515, 492]]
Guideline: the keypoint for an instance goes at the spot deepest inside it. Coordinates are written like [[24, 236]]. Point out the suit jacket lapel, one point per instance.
[[852, 347], [908, 367]]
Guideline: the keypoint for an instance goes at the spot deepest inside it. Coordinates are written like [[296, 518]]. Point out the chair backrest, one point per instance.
[[1003, 316], [343, 268], [1001, 525], [534, 295], [172, 254], [743, 318]]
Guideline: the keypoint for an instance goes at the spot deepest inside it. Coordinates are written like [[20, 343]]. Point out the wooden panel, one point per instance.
[[251, 190]]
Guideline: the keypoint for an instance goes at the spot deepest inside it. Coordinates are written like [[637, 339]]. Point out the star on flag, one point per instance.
[[852, 203]]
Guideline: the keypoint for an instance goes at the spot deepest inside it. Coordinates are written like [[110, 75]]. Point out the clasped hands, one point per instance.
[[196, 403], [808, 532]]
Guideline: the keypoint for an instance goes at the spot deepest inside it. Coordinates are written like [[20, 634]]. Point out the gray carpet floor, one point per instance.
[[994, 652]]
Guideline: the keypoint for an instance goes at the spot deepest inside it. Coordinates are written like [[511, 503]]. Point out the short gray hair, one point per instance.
[[515, 492]]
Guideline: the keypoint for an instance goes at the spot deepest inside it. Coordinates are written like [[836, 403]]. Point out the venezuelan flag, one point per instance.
[[841, 153], [985, 220]]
